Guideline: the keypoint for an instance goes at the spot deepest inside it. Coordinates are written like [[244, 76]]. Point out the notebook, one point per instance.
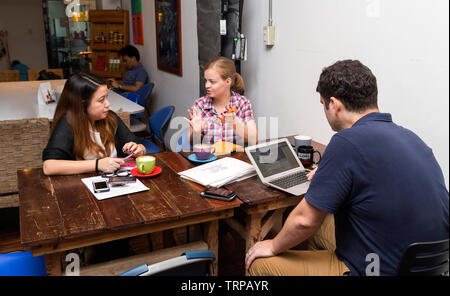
[[220, 172], [278, 166]]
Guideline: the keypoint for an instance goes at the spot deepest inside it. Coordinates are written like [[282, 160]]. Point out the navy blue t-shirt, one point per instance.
[[385, 189], [137, 74]]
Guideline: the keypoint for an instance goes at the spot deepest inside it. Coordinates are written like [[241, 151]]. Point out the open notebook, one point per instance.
[[219, 172]]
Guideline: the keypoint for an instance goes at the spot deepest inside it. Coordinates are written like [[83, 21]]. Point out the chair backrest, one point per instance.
[[9, 75], [192, 263], [144, 94], [22, 264], [159, 121], [21, 145], [33, 74], [125, 116], [425, 259]]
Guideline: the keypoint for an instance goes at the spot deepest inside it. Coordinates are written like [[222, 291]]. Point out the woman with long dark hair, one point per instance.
[[86, 135]]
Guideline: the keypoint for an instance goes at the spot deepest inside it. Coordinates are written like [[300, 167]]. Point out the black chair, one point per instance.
[[425, 259]]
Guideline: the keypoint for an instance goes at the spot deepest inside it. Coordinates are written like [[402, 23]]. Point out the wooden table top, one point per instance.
[[61, 207], [250, 191]]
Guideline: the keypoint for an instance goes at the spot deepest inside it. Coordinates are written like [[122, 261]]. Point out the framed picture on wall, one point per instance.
[[168, 36]]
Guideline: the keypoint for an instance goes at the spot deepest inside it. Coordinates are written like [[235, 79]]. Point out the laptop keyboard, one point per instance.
[[291, 180]]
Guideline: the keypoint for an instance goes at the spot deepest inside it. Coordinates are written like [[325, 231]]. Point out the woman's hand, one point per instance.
[[229, 116], [109, 164], [134, 149], [195, 119]]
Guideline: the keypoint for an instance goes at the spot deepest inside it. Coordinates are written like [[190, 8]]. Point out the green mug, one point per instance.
[[145, 164]]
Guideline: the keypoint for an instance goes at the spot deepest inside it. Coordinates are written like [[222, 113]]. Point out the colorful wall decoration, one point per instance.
[[138, 31]]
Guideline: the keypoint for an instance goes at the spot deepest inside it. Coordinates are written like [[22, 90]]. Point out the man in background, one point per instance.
[[23, 69], [135, 76]]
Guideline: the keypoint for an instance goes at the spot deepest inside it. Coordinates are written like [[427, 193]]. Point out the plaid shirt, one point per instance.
[[215, 131]]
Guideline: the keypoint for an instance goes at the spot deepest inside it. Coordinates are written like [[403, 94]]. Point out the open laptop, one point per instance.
[[278, 166]]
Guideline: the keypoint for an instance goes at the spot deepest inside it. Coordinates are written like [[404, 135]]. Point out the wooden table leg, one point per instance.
[[211, 237], [53, 264], [252, 230]]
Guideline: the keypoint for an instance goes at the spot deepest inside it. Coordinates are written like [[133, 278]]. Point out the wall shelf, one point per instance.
[[111, 26]]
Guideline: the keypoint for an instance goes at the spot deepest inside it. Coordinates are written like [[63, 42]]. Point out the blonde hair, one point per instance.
[[227, 69]]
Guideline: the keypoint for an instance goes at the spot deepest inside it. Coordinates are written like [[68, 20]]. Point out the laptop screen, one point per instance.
[[274, 159]]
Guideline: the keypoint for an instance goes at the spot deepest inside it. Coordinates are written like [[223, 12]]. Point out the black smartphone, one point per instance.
[[218, 193], [100, 186]]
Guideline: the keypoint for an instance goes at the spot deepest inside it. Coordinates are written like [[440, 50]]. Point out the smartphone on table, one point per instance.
[[218, 193], [100, 186]]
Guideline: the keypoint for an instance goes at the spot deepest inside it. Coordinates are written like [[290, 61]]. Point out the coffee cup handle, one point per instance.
[[141, 167], [320, 156], [213, 150]]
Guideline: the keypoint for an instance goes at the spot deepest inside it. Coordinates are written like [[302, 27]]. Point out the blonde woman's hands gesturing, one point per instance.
[[195, 119]]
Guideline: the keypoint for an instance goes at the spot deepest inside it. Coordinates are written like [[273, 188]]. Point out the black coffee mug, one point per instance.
[[306, 155]]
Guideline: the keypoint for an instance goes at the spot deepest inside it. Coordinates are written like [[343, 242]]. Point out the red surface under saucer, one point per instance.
[[156, 171]]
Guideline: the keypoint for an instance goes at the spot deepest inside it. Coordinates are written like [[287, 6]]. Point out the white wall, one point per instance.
[[404, 42], [170, 89], [23, 19], [109, 4]]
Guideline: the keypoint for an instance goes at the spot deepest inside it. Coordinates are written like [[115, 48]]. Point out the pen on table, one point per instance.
[[126, 157]]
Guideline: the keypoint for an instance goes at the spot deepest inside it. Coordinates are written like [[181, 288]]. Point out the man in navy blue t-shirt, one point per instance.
[[380, 180], [135, 76]]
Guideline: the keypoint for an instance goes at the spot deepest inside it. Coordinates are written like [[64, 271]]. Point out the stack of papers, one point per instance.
[[219, 172]]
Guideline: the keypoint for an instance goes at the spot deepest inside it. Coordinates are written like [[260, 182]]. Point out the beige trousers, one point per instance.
[[318, 260]]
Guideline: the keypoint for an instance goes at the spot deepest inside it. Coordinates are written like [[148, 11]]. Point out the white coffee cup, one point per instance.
[[302, 140]]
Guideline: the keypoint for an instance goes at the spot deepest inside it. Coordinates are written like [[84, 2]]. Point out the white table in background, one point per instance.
[[18, 100]]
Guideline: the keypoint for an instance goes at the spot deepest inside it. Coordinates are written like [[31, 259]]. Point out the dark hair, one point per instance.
[[15, 62], [351, 82], [130, 51], [75, 98]]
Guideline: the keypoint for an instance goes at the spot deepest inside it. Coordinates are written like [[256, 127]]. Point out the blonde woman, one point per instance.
[[223, 114]]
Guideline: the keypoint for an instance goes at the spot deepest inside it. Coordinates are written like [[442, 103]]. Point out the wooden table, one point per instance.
[[59, 213], [262, 207], [18, 100]]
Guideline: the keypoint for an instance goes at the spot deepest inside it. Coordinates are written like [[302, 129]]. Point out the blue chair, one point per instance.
[[193, 263], [141, 97], [158, 124], [22, 264]]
